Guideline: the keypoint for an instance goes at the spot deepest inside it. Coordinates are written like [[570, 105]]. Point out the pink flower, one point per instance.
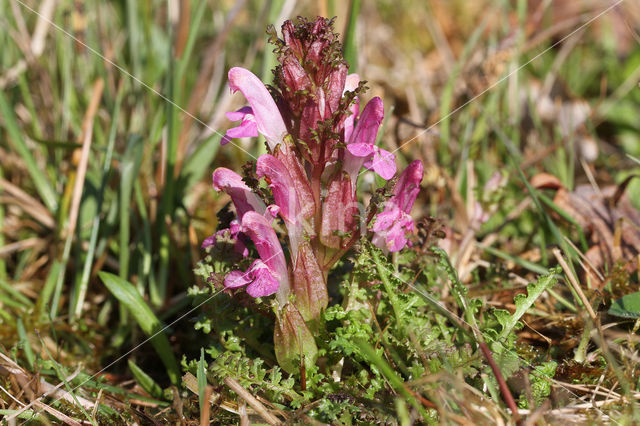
[[248, 128], [361, 147], [394, 223], [260, 280], [269, 274], [243, 198], [234, 233], [263, 112]]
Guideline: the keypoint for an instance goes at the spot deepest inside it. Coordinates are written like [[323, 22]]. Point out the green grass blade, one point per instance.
[[145, 381], [202, 380], [42, 185], [199, 163], [127, 294], [25, 345], [350, 43], [82, 285], [167, 205], [47, 290], [131, 161], [191, 39]]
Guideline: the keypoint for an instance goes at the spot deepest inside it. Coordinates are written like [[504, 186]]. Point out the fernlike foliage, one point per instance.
[[298, 204]]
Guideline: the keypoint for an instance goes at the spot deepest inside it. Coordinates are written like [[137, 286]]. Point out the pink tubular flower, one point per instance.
[[394, 223], [263, 112], [269, 274], [243, 198], [244, 201], [361, 147], [259, 279]]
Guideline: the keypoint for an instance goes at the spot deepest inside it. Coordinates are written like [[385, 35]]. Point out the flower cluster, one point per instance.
[[318, 143]]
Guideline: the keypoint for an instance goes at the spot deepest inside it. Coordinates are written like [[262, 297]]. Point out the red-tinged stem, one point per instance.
[[506, 393]]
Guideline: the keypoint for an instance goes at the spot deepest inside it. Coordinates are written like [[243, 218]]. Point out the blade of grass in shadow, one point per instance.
[[158, 293], [18, 298], [47, 290], [145, 274], [131, 161], [41, 183], [145, 381], [350, 43], [25, 345], [198, 163], [3, 265], [80, 290], [77, 183], [127, 295]]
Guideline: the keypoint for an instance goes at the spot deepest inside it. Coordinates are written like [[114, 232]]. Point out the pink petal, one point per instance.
[[256, 227], [268, 119], [351, 83], [364, 132], [209, 241], [248, 129], [284, 194], [383, 163], [367, 126], [281, 186], [360, 149], [243, 198], [385, 219], [239, 114], [264, 281], [408, 186], [236, 279]]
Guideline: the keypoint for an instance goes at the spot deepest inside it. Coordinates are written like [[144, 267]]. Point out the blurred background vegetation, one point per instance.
[[110, 120]]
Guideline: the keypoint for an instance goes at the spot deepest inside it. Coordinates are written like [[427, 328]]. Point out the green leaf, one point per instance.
[[145, 381], [523, 303], [627, 306], [126, 293]]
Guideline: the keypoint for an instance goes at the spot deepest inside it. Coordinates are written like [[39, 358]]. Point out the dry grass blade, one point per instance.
[[83, 153], [20, 245], [252, 401], [45, 12], [28, 204], [574, 283], [32, 386]]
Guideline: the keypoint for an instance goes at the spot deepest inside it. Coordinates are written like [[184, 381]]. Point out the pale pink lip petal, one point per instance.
[[360, 149], [385, 219], [267, 116], [236, 279], [384, 164], [248, 129], [264, 282]]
